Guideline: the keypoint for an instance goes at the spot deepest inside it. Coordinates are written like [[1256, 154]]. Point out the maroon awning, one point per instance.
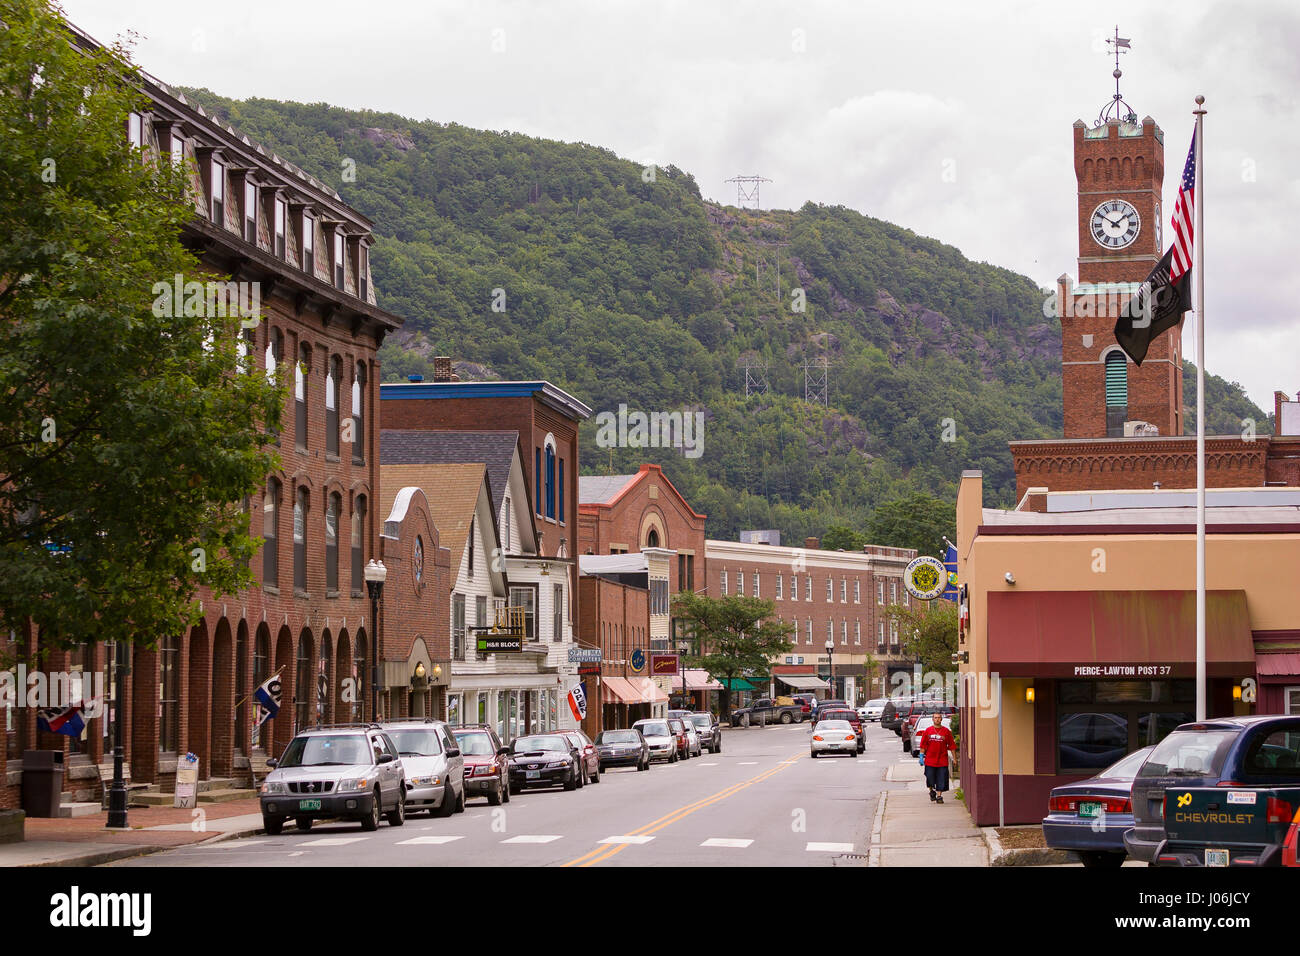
[[1117, 634], [1278, 665]]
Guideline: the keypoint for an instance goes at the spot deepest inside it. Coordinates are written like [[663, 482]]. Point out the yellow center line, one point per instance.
[[604, 852]]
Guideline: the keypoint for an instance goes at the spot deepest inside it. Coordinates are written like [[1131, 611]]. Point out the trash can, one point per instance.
[[42, 782]]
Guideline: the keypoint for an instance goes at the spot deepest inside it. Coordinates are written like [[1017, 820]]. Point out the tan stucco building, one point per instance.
[[1088, 600]]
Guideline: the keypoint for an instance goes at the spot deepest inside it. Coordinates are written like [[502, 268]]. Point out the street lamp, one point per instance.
[[375, 575], [830, 665]]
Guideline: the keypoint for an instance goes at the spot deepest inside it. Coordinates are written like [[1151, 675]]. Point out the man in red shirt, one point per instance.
[[936, 744]]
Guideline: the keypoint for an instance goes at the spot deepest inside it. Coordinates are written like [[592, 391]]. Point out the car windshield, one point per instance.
[[416, 742], [529, 744], [837, 715], [833, 725], [1126, 768], [618, 737], [702, 720], [475, 745], [657, 729], [327, 750], [1189, 753], [876, 703]]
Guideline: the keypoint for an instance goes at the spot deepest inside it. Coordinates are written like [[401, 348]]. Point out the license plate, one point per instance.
[[532, 774], [1089, 809], [1216, 857], [308, 804]]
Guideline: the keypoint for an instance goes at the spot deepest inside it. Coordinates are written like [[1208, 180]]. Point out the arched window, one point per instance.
[[1116, 393], [274, 356], [550, 480], [358, 415], [241, 690], [359, 674], [304, 690], [261, 671], [652, 539], [270, 531], [358, 543], [300, 373], [333, 506], [333, 375], [300, 503], [169, 694], [326, 668]]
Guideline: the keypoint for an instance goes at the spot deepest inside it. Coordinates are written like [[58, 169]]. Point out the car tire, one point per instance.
[[786, 718], [494, 797], [273, 826], [370, 823], [460, 800], [643, 765], [814, 754], [1102, 860], [505, 791], [514, 789], [718, 748], [853, 754], [398, 816], [672, 758], [595, 777], [574, 776], [448, 805], [304, 824]]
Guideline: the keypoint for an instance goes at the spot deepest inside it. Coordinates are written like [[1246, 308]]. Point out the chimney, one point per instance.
[[811, 544], [442, 368]]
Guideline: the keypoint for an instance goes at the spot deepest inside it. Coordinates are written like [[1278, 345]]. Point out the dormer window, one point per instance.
[[177, 148], [363, 271], [281, 218], [135, 130], [217, 181], [339, 242], [250, 211], [308, 243]]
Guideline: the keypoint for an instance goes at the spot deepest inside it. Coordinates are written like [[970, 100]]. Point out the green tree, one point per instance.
[[130, 435], [837, 537], [927, 633], [918, 521], [734, 637]]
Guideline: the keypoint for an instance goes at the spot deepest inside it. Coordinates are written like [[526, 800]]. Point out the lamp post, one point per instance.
[[830, 665], [117, 794], [375, 575]]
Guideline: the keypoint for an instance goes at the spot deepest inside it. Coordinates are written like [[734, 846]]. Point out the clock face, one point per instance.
[[1157, 226], [1114, 224]]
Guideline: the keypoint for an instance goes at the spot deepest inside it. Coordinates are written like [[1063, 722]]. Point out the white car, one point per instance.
[[925, 723], [660, 739], [872, 709], [834, 736]]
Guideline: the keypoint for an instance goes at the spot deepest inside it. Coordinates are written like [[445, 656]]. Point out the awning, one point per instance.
[[699, 680], [737, 683], [636, 690], [802, 681], [1277, 665], [1116, 634]]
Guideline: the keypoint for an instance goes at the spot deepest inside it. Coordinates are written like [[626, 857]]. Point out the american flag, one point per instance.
[[1184, 209]]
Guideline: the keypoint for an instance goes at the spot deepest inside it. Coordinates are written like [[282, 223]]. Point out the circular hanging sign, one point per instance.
[[925, 578]]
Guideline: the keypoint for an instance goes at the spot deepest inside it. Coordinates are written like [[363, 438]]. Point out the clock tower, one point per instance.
[[1119, 168]]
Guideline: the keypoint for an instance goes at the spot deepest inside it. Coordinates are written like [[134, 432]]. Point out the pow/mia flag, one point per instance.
[[1157, 307]]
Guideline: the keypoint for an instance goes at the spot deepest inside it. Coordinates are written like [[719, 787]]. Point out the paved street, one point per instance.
[[761, 802]]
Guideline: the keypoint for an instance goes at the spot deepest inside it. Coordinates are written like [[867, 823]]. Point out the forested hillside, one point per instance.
[[531, 258]]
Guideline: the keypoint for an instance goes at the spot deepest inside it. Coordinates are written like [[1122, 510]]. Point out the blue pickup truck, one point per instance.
[[1227, 826], [1197, 760]]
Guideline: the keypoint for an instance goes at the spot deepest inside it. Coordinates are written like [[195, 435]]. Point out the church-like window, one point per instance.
[[1116, 394]]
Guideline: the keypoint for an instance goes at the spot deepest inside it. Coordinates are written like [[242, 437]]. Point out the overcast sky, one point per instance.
[[952, 119]]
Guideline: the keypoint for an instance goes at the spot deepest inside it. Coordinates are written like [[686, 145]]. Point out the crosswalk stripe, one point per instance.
[[634, 840], [428, 841], [332, 841], [723, 841], [533, 838], [830, 847]]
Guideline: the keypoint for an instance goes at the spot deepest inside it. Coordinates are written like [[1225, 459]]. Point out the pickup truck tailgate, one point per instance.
[[1224, 825]]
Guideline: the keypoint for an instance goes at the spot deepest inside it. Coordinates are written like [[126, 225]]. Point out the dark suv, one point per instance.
[[1224, 752]]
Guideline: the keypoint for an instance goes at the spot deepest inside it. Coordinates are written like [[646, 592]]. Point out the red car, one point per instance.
[[683, 738], [852, 717], [487, 767], [590, 758]]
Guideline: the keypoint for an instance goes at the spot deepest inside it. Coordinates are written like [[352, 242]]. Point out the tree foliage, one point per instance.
[[927, 633], [733, 637], [918, 521], [128, 438]]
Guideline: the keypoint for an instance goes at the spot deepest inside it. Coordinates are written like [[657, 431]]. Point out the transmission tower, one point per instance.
[[747, 189], [755, 379], [761, 260], [815, 377]]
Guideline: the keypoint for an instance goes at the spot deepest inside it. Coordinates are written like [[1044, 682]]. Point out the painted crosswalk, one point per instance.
[[429, 841], [534, 838], [633, 840], [332, 841], [830, 848], [726, 842]]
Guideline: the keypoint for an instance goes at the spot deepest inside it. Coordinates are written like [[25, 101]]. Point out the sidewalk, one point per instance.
[[911, 831], [85, 841]]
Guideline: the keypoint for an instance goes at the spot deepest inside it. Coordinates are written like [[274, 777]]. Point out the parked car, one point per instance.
[[544, 760], [352, 772], [1090, 817], [710, 731], [622, 748], [487, 767], [590, 759], [834, 735], [678, 727], [846, 713], [692, 732], [920, 714], [897, 707], [1229, 752], [659, 737], [872, 709], [432, 763], [766, 710], [925, 723]]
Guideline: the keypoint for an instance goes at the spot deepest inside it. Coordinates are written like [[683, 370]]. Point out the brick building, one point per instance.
[[837, 596], [259, 219]]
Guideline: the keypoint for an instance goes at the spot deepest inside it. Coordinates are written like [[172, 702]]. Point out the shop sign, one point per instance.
[[925, 578], [664, 665], [1123, 670], [585, 655]]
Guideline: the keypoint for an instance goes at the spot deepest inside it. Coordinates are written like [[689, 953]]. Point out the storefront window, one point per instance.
[[1098, 722], [482, 717], [502, 705], [534, 713], [453, 709], [552, 698], [514, 714]]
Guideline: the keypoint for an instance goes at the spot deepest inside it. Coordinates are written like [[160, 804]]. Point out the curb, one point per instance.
[[1036, 856], [110, 855], [873, 856]]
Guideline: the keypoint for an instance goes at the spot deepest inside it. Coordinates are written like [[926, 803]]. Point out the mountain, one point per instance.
[[523, 257]]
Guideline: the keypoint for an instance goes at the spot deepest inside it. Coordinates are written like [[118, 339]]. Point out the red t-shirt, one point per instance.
[[935, 744]]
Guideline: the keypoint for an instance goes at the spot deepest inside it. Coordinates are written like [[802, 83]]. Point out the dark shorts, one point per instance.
[[936, 778]]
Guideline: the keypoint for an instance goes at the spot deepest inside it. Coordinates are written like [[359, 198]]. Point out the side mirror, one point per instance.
[[503, 751], [385, 758], [453, 752], [272, 762]]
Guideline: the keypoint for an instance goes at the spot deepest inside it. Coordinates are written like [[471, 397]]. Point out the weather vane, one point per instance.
[[1117, 109]]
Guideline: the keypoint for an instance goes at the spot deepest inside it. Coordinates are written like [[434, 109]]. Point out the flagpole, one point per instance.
[[1199, 240]]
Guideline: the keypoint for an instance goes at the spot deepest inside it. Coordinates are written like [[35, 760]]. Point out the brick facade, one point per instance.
[[615, 618]]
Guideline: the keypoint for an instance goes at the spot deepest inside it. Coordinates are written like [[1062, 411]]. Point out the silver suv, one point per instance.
[[435, 770], [351, 772]]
